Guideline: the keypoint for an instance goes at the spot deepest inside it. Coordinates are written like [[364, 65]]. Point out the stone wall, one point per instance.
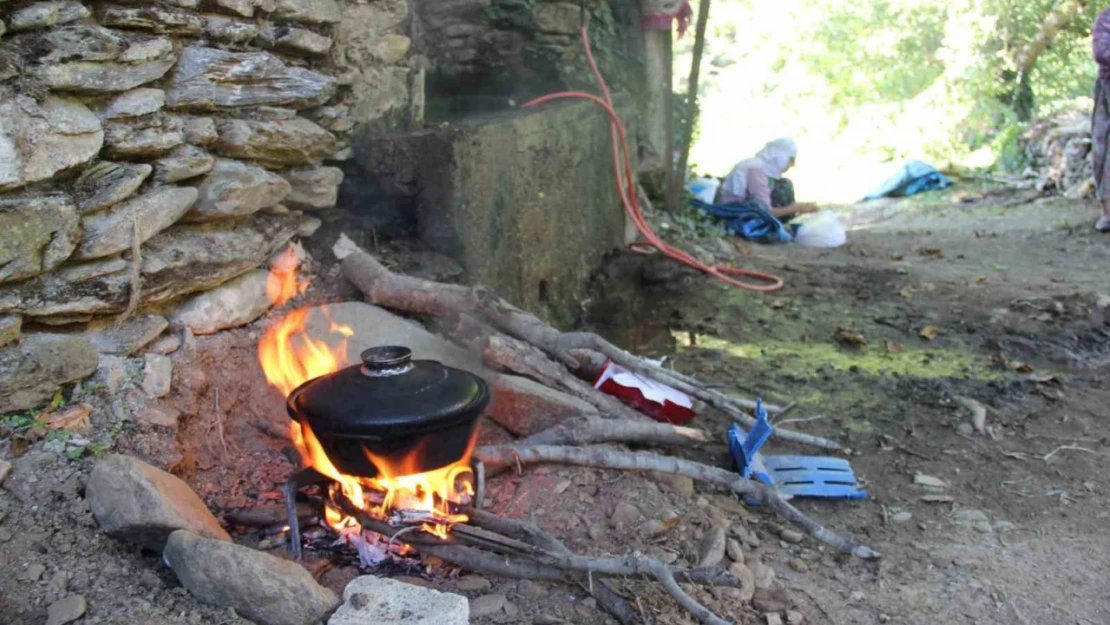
[[485, 55], [174, 145]]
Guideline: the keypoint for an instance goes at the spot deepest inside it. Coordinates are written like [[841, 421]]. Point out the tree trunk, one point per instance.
[[1022, 99], [692, 91], [1054, 22]]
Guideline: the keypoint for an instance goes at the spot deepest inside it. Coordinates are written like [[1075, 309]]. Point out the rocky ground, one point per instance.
[[929, 303]]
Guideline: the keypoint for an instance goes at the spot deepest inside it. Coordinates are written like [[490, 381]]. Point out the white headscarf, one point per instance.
[[776, 156], [773, 160]]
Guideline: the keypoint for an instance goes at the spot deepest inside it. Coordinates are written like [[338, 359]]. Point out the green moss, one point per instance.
[[810, 360]]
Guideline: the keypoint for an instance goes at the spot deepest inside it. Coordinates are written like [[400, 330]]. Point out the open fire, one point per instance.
[[400, 493]]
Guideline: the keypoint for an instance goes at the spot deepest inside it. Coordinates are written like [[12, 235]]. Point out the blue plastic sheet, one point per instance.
[[914, 177], [748, 220]]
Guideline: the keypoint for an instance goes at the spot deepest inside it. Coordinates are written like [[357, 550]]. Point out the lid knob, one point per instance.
[[386, 361]]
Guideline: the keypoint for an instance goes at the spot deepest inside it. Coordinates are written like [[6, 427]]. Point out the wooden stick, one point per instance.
[[610, 458], [608, 598], [673, 179], [505, 353], [692, 89], [591, 431], [385, 288]]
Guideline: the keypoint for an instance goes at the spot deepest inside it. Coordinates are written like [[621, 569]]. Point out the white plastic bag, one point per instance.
[[822, 230], [705, 189]]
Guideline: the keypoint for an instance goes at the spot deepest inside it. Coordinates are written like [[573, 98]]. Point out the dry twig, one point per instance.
[[136, 276], [1052, 453]]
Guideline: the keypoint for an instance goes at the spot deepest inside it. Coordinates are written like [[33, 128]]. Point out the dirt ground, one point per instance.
[[1015, 298]]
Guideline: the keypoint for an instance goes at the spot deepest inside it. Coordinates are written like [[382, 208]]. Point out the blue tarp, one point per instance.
[[749, 220], [914, 177]]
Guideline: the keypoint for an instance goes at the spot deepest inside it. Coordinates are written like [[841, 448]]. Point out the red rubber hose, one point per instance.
[[626, 186]]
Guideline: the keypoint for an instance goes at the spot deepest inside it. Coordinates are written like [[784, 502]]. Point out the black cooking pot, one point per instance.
[[418, 414]]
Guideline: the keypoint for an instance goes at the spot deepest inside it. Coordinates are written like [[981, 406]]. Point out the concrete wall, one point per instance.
[[525, 200]]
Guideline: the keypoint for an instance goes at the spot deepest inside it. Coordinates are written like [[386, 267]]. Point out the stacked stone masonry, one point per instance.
[[202, 131]]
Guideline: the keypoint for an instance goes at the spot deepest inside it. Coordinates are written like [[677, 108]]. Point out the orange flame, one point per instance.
[[285, 283], [290, 357]]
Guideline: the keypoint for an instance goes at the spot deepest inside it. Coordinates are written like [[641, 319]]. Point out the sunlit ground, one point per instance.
[[749, 94]]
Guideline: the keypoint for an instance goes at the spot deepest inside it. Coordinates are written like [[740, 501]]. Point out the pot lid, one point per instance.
[[388, 395]]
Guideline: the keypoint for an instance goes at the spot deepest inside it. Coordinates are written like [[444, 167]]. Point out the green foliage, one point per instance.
[[950, 68], [693, 222], [873, 52], [1009, 149], [18, 422]]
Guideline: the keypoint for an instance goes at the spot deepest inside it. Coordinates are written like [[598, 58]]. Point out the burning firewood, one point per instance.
[[545, 558], [388, 446]]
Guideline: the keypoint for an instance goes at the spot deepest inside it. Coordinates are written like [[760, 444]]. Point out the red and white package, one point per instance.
[[658, 401]]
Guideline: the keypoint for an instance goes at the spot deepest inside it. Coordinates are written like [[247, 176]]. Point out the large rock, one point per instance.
[[232, 304], [109, 232], [134, 103], [198, 130], [384, 601], [373, 326], [158, 19], [157, 375], [295, 141], [84, 77], [36, 235], [45, 15], [143, 137], [10, 328], [185, 162], [95, 287], [144, 50], [257, 585], [313, 188], [40, 140], [106, 184], [296, 40], [127, 338], [524, 407], [208, 79], [180, 260], [33, 370], [308, 11], [91, 59], [229, 29], [190, 258], [243, 8], [234, 188], [557, 17], [141, 504]]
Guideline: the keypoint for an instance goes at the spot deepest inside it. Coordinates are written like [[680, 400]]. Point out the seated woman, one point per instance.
[[759, 179], [1100, 121]]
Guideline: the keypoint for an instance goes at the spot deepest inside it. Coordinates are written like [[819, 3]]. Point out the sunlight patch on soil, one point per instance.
[[806, 360]]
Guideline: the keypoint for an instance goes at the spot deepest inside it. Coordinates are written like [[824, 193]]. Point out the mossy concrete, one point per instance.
[[525, 200]]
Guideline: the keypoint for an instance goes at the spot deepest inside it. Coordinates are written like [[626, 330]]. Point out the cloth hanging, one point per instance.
[[659, 14]]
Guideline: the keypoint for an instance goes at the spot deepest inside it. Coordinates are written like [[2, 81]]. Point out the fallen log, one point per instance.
[[511, 355], [587, 431], [386, 288]]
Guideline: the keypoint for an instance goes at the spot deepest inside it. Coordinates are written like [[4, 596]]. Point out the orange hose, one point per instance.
[[622, 167]]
